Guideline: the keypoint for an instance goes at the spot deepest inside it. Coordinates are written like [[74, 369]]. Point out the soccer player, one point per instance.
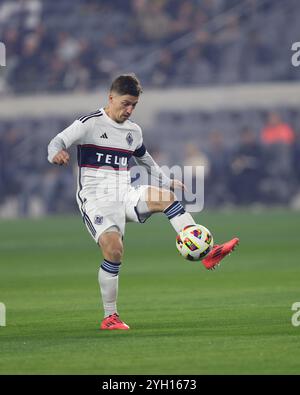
[[106, 139]]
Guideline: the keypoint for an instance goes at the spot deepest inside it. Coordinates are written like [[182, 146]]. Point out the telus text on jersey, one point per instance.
[[111, 159]]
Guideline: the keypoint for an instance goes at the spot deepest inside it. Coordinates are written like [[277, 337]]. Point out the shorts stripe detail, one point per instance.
[[138, 216], [85, 217], [89, 224]]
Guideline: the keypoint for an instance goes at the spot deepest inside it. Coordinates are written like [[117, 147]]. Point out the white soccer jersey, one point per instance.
[[104, 148]]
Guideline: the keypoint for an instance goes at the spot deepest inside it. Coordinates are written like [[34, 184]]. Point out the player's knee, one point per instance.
[[115, 255], [112, 247]]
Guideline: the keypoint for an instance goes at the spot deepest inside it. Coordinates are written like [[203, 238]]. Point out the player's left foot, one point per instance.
[[113, 322], [214, 257]]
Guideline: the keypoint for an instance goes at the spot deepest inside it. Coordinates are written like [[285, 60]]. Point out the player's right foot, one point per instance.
[[214, 257], [113, 322]]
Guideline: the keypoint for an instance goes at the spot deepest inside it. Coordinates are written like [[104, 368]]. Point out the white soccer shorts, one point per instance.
[[103, 212]]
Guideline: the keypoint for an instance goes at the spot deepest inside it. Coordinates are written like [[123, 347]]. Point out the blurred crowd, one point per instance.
[[81, 44], [243, 165], [250, 158]]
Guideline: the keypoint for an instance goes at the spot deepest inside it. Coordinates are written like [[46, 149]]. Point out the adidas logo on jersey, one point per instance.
[[104, 136]]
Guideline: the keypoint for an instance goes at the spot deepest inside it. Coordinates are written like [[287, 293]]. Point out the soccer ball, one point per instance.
[[194, 242]]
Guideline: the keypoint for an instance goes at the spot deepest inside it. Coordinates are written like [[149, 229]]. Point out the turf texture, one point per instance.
[[183, 318]]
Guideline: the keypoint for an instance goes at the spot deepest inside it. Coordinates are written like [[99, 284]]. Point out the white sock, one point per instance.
[[182, 220], [108, 278], [178, 217]]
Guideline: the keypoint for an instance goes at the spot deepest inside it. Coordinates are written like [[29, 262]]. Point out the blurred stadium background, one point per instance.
[[220, 90], [218, 82]]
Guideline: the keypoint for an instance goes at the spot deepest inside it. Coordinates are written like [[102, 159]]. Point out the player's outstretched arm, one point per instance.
[[146, 160], [153, 168]]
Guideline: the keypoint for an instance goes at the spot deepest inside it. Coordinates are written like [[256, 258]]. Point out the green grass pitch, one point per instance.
[[184, 319]]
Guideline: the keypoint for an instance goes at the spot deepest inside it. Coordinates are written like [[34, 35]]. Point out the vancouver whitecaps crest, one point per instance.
[[98, 219], [129, 138]]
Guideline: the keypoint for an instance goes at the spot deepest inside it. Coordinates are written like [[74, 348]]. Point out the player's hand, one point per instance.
[[178, 184], [61, 158]]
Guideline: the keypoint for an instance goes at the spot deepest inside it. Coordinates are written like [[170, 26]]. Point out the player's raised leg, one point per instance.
[[111, 245], [163, 200]]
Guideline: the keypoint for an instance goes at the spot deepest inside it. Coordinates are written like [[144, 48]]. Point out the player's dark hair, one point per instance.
[[127, 84]]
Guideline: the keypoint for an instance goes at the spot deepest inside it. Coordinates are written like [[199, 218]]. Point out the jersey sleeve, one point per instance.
[[63, 140], [73, 134]]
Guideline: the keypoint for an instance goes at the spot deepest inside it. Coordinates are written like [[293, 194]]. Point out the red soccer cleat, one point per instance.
[[113, 322], [219, 252]]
